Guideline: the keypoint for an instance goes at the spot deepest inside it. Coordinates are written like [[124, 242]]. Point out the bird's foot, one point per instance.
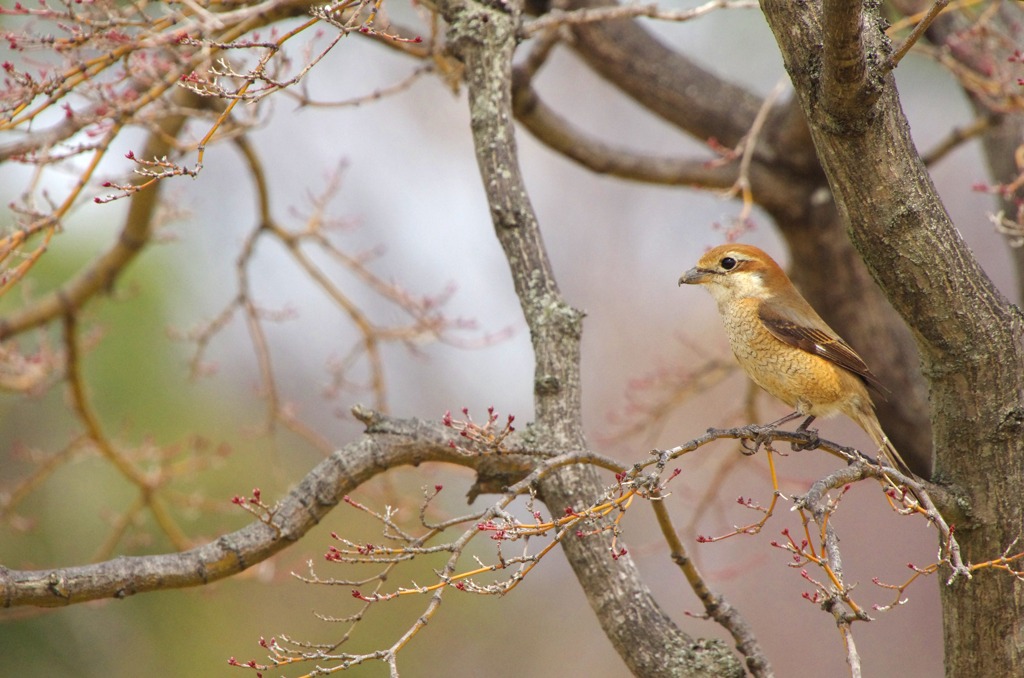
[[812, 440], [761, 436]]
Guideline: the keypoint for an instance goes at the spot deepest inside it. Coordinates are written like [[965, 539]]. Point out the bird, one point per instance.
[[785, 347]]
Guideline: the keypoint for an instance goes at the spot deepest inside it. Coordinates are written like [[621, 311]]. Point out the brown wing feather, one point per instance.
[[820, 343]]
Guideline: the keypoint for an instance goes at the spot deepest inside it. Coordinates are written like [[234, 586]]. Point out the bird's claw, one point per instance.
[[762, 437], [812, 440]]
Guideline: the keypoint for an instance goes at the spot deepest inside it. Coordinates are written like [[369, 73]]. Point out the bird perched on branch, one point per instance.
[[785, 346]]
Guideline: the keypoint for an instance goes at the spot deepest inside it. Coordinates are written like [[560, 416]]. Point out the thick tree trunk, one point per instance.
[[968, 335]]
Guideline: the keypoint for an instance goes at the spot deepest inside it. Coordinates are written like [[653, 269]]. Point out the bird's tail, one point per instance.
[[886, 449]]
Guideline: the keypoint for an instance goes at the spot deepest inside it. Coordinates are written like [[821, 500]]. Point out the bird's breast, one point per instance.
[[804, 381]]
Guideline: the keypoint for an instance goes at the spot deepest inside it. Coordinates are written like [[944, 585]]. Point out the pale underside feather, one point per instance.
[[818, 341]]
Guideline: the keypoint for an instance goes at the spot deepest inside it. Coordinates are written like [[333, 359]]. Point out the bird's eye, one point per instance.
[[728, 263]]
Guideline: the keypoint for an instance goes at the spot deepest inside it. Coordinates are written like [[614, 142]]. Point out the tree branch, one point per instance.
[[561, 136], [483, 36], [715, 605], [989, 54], [664, 81], [846, 94], [389, 443], [918, 31], [101, 273], [770, 188]]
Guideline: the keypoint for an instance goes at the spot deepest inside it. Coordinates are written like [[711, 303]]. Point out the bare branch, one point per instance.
[[664, 81], [101, 274], [918, 32], [558, 17], [561, 136], [956, 137], [846, 92], [145, 483], [399, 442], [743, 186], [715, 605]]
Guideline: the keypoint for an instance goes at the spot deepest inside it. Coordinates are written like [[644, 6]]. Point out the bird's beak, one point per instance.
[[695, 276]]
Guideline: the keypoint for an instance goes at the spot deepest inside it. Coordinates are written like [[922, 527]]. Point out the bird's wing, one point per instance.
[[820, 342]]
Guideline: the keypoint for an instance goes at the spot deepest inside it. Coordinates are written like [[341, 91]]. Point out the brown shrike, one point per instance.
[[784, 345]]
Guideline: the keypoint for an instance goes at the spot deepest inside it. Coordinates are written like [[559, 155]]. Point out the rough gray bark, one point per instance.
[[1005, 132], [969, 336], [388, 444], [483, 36]]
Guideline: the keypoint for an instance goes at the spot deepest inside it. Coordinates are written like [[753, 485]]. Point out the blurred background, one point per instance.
[[410, 193]]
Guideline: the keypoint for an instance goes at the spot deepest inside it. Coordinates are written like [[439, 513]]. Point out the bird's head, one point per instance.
[[732, 272]]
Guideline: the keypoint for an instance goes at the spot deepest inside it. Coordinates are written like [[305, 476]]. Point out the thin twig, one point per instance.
[[653, 11], [742, 185], [957, 136], [918, 31], [716, 606]]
